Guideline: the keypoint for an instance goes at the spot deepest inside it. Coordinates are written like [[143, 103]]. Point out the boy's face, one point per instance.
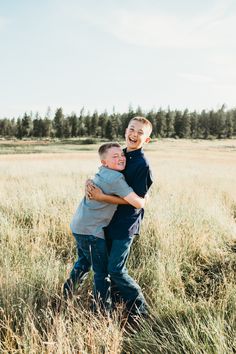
[[114, 159], [136, 135]]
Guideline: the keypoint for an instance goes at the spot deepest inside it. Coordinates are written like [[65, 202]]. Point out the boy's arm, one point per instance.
[[93, 192], [133, 199]]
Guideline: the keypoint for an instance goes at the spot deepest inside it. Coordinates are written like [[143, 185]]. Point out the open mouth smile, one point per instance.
[[133, 140]]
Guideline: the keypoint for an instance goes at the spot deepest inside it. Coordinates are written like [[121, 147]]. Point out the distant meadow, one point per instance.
[[184, 258]]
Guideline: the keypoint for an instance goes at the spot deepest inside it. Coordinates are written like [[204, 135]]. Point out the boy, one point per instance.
[[91, 217], [126, 220]]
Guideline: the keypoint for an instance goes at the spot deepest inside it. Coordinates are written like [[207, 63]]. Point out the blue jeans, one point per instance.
[[129, 291], [92, 252]]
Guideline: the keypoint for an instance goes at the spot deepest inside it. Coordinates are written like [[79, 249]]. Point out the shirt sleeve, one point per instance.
[[143, 180], [120, 187]]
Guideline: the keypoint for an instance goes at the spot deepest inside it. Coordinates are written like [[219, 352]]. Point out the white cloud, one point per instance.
[[152, 28], [196, 78], [174, 32]]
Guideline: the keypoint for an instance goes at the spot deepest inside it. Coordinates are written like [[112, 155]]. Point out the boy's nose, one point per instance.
[[134, 133]]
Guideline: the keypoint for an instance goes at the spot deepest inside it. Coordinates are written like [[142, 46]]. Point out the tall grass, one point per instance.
[[184, 259]]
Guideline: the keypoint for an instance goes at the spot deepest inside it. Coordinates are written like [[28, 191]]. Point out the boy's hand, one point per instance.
[[88, 182], [93, 192]]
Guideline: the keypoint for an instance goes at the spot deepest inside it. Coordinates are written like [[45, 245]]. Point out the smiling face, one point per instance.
[[114, 159], [136, 135]]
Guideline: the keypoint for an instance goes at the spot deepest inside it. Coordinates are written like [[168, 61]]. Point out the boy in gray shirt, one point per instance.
[[92, 216]]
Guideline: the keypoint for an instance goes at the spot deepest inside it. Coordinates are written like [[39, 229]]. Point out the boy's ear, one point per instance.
[[103, 162], [147, 140]]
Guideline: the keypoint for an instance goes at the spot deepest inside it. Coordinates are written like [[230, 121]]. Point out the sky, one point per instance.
[[110, 55]]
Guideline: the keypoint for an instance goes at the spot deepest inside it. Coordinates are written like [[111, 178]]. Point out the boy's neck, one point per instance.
[[109, 168], [130, 150]]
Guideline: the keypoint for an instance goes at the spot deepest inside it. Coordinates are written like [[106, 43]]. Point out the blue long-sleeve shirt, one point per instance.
[[127, 219]]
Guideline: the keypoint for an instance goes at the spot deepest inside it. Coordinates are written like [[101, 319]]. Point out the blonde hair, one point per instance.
[[143, 120], [104, 147]]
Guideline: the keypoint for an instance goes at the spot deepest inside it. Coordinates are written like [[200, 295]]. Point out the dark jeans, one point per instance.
[[129, 291], [92, 252]]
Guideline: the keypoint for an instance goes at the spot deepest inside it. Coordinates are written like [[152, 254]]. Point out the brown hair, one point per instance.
[[104, 147], [143, 120]]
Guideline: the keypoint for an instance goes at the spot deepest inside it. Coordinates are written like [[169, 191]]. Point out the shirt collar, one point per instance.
[[134, 153]]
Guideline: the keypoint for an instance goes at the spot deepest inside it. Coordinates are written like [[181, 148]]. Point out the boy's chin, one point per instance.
[[131, 146]]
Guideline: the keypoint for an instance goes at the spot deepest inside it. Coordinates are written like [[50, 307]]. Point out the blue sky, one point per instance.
[[104, 54]]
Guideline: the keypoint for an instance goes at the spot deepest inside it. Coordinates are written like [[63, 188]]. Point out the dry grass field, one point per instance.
[[184, 259]]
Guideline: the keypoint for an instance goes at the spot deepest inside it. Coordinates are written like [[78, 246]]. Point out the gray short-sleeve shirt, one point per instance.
[[91, 216]]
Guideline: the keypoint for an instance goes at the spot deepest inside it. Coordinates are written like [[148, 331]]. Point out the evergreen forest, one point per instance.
[[168, 123]]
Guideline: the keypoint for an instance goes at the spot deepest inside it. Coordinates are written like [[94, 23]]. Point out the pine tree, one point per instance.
[[26, 125], [194, 125], [58, 123], [178, 123], [139, 112], [220, 123], [6, 127], [94, 124], [47, 127], [124, 120], [102, 121], [109, 130], [151, 116], [19, 133], [229, 125], [81, 126], [204, 124], [48, 113], [213, 123], [73, 121], [87, 125], [233, 112], [66, 128], [38, 127], [160, 123], [170, 119], [115, 121], [2, 127], [13, 127]]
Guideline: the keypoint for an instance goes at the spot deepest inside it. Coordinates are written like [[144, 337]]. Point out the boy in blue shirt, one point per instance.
[[127, 218], [92, 216]]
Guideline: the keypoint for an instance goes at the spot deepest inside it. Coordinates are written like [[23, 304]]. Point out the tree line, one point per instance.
[[166, 124]]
